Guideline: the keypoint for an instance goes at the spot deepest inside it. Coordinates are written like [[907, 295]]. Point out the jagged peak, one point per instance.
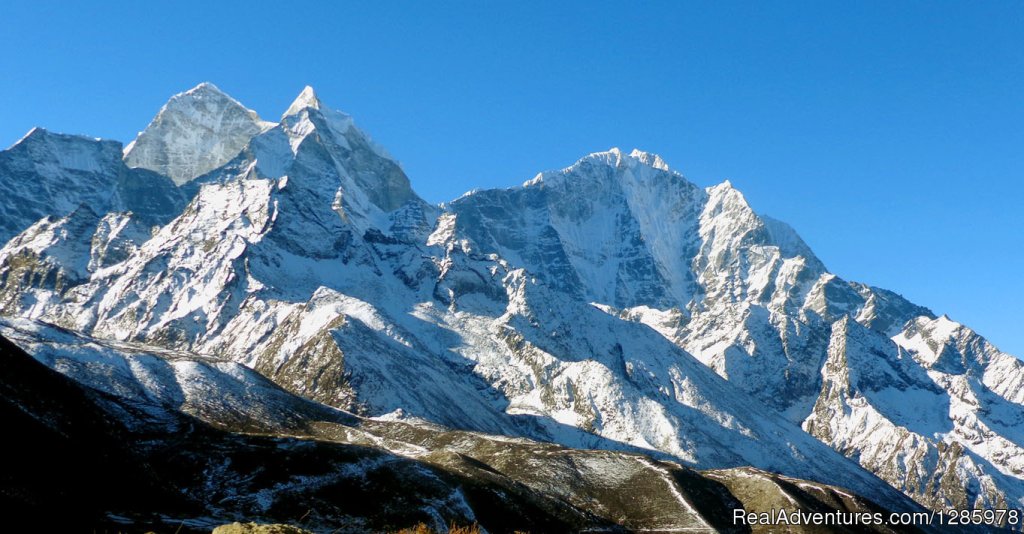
[[650, 159], [616, 157], [306, 99], [613, 157], [297, 121], [726, 193], [723, 187]]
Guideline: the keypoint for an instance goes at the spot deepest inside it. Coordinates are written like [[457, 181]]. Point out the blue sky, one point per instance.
[[889, 134]]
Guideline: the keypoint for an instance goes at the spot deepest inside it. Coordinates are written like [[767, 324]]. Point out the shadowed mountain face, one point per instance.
[[164, 440], [48, 174], [68, 460], [610, 305]]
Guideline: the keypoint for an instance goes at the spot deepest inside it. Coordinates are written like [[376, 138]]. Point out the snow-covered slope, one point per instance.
[[611, 304]]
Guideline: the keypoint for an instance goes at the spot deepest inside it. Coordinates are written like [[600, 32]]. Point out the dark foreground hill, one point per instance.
[[81, 459]]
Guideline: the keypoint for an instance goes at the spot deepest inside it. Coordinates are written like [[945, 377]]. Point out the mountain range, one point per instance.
[[606, 346]]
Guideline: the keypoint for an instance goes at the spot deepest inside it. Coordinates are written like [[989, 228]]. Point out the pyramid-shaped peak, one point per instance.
[[195, 132], [205, 96], [306, 99], [205, 99], [205, 88]]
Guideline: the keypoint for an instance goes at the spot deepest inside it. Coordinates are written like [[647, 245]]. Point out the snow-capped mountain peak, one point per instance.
[[637, 161], [207, 89], [194, 133], [616, 157], [307, 113], [613, 158], [306, 99], [649, 158]]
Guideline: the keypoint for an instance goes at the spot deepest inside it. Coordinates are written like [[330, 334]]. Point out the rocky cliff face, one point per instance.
[[609, 305], [901, 421]]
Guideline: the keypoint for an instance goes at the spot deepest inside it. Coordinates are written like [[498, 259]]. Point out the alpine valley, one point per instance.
[[233, 319]]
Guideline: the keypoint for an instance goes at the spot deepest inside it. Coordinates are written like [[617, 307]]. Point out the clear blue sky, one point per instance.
[[889, 134]]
